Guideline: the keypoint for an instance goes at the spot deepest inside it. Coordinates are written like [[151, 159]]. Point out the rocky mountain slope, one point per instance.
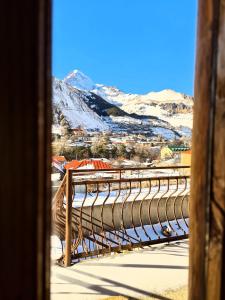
[[69, 103], [92, 106]]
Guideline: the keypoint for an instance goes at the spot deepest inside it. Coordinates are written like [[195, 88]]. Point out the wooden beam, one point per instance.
[[216, 247], [25, 125], [207, 212]]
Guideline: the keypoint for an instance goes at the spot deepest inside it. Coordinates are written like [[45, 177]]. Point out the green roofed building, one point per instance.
[[179, 148], [173, 151]]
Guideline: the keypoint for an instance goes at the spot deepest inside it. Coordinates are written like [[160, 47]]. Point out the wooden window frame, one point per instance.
[[207, 205], [25, 122]]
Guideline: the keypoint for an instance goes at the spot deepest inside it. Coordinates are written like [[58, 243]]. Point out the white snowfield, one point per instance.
[[177, 120], [127, 120], [76, 111]]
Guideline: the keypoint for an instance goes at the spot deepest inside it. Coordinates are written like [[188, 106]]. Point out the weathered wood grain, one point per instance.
[[207, 189], [25, 122], [216, 252]]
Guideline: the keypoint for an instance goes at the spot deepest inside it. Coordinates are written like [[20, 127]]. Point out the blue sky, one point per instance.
[[136, 45]]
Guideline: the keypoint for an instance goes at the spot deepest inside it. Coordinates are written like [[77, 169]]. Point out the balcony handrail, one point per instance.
[[105, 180], [129, 169], [104, 215]]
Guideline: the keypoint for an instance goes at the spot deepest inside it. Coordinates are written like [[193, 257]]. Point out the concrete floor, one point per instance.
[[142, 273]]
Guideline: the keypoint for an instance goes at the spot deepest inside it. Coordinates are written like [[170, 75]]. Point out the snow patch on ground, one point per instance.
[[127, 120], [167, 133]]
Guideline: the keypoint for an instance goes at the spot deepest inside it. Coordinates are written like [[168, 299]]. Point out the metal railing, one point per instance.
[[103, 211]]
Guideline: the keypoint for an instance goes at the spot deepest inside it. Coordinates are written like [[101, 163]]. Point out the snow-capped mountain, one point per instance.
[[79, 80], [95, 106], [86, 109], [68, 103], [168, 105]]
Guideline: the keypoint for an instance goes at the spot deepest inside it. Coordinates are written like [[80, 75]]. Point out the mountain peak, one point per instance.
[[76, 72], [167, 95], [79, 80]]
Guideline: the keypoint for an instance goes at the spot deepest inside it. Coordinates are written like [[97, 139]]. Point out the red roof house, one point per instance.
[[59, 158], [74, 164], [88, 164]]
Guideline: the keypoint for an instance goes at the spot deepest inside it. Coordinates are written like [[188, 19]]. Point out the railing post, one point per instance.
[[68, 232]]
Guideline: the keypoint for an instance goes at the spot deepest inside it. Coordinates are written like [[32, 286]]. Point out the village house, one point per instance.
[[173, 151], [79, 131], [88, 164], [166, 153]]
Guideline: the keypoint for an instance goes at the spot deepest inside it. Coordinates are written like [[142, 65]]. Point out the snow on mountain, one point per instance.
[[79, 80], [168, 105], [96, 106], [68, 102], [109, 93], [168, 96], [83, 108]]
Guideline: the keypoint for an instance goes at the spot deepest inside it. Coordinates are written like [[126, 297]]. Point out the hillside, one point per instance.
[[96, 106]]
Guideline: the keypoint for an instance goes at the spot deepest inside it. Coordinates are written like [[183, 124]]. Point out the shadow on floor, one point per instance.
[[107, 291], [135, 266]]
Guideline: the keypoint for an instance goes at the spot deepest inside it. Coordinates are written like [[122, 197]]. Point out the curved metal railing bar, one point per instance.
[[100, 212]]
